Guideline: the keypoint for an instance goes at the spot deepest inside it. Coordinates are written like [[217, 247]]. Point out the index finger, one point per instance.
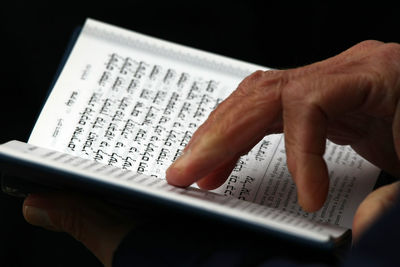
[[232, 129]]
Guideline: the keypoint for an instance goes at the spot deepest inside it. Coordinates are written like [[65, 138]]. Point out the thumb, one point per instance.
[[374, 205], [99, 227]]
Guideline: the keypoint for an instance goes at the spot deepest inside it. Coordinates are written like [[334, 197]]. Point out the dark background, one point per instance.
[[278, 35]]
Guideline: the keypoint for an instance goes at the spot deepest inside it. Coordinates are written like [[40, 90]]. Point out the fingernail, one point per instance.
[[38, 217]]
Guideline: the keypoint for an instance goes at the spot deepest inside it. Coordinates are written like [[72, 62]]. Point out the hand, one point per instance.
[[101, 228], [352, 99], [373, 206], [97, 225]]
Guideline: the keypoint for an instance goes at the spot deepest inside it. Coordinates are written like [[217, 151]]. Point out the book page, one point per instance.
[[78, 171], [133, 102]]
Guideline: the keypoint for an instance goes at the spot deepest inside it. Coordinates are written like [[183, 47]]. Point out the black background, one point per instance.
[[275, 34]]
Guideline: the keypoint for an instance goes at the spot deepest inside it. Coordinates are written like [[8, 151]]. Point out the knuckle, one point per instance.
[[393, 55], [295, 90], [255, 75], [390, 52], [386, 57], [384, 72], [247, 85], [393, 48], [263, 85], [368, 44]]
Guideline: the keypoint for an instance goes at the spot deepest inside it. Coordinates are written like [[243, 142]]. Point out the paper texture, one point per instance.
[[133, 102], [253, 214]]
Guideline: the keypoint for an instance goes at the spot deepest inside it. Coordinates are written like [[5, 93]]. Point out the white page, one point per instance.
[[133, 102], [212, 203]]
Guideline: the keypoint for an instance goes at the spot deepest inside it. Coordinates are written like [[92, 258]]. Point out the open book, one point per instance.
[[123, 108]]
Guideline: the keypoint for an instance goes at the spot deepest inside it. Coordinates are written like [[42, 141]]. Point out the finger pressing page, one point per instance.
[[305, 138], [241, 120], [218, 176]]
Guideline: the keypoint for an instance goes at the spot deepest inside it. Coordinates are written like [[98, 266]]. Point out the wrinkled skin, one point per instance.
[[352, 98]]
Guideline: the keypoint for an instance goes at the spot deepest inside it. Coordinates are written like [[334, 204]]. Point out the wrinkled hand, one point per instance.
[[101, 228], [374, 205], [97, 225], [352, 99]]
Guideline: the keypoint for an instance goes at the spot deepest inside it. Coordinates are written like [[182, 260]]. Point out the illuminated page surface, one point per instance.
[[133, 102]]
